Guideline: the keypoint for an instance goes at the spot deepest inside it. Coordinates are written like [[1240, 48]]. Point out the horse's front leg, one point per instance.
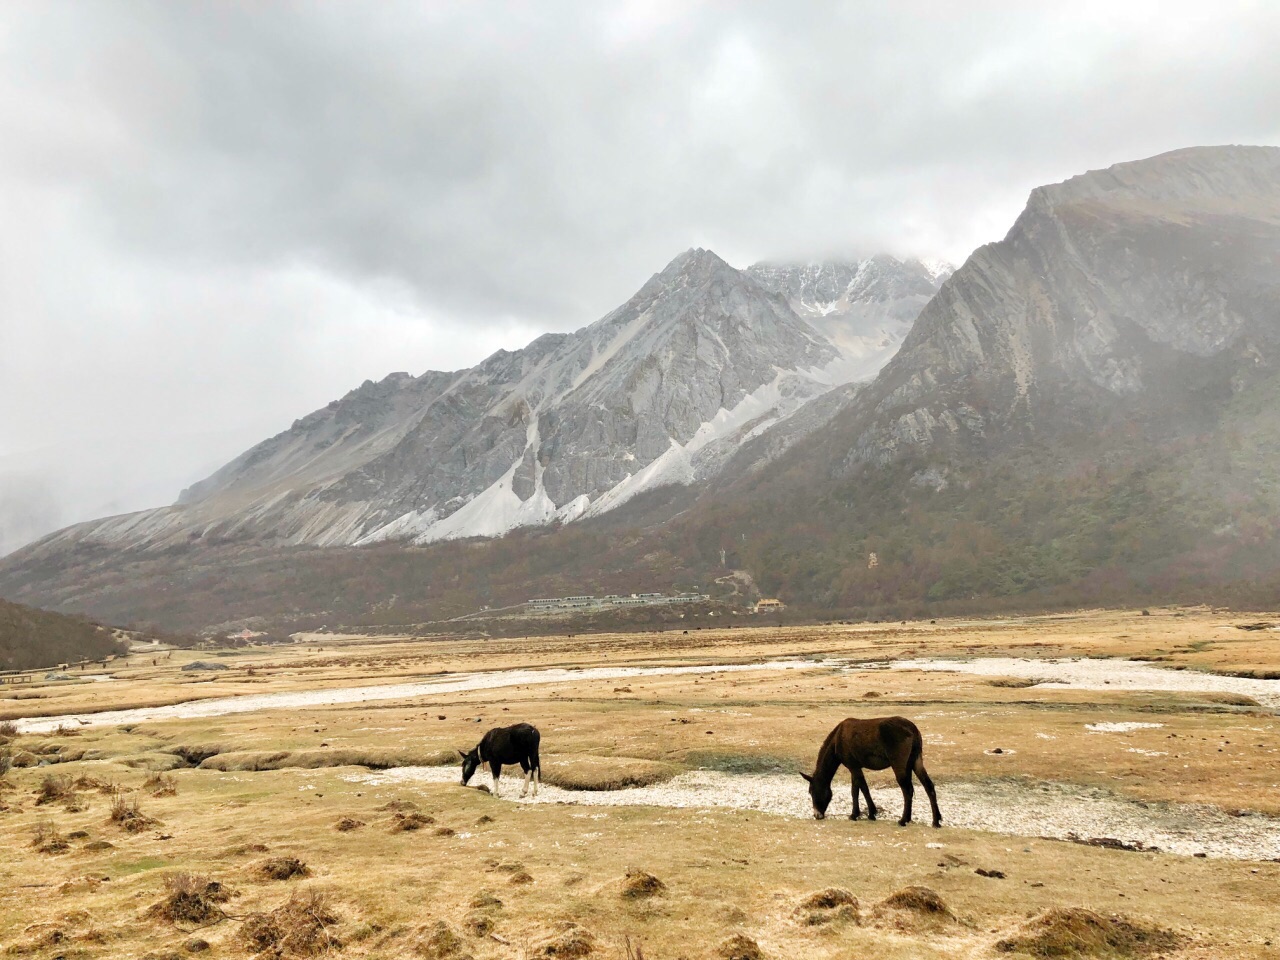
[[861, 784], [857, 801], [496, 770]]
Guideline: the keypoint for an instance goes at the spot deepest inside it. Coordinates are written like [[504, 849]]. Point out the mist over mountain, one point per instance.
[[1083, 411]]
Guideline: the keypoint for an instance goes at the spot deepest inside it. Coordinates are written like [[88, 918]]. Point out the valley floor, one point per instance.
[[672, 823]]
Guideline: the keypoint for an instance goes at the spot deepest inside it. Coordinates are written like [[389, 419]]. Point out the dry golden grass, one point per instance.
[[735, 883], [585, 772]]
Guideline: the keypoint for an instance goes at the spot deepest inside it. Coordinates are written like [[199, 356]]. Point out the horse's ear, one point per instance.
[[808, 779], [462, 754]]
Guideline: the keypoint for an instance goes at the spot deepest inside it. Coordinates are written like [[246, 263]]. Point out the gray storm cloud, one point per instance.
[[218, 217]]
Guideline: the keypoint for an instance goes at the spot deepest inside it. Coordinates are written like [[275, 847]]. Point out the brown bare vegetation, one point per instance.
[[739, 947], [54, 788], [302, 927], [46, 838], [281, 868], [638, 884], [571, 942], [126, 813], [1072, 931], [190, 898], [409, 822], [161, 785]]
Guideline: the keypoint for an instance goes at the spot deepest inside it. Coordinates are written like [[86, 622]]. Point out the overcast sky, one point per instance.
[[217, 217]]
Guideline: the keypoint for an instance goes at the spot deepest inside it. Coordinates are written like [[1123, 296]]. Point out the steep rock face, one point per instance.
[[1140, 284], [864, 307], [659, 391]]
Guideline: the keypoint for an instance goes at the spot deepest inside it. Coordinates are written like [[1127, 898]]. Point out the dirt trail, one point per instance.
[[1057, 810], [456, 683]]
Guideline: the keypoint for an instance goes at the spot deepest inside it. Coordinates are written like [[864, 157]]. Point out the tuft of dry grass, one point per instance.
[[409, 822], [1074, 931], [828, 899], [739, 947], [47, 838], [637, 884], [281, 868], [161, 785], [827, 906], [55, 788], [8, 731], [914, 905], [570, 943], [347, 824], [64, 731], [127, 814], [920, 899], [439, 942], [585, 772], [190, 898], [301, 927], [86, 782]]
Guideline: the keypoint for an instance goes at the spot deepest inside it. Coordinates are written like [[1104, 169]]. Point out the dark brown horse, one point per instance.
[[874, 744]]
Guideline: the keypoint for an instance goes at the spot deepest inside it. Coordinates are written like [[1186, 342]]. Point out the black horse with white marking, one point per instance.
[[515, 744]]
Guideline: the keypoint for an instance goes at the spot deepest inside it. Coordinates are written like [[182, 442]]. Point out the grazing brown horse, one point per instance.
[[874, 744]]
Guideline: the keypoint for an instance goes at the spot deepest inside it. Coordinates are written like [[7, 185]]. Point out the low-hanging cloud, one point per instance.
[[220, 216]]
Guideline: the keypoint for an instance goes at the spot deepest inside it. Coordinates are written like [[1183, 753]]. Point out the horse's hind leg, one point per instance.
[[528, 774], [537, 772], [496, 770], [908, 792], [927, 783]]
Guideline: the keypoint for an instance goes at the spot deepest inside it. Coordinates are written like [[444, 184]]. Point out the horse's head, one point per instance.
[[820, 794], [470, 763]]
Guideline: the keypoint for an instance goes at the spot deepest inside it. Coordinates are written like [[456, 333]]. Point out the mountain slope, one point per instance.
[[31, 638], [659, 391], [1090, 401]]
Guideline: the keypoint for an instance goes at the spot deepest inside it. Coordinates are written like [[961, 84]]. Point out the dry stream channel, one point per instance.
[[999, 805]]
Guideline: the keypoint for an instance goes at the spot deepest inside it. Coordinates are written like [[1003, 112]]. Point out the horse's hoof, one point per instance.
[[871, 816], [903, 823], [855, 816]]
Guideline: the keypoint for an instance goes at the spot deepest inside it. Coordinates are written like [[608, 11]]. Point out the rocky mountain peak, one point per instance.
[[1142, 281]]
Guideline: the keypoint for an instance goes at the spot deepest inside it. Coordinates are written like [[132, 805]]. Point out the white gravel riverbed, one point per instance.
[[329, 696], [1056, 810], [1095, 673]]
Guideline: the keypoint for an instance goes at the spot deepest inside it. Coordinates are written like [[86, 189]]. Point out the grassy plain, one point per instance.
[[485, 877]]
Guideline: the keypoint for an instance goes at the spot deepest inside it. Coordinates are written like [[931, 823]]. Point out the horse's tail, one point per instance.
[[915, 758], [534, 760]]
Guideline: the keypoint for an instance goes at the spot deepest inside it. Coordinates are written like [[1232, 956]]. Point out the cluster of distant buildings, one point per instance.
[[765, 605], [613, 600]]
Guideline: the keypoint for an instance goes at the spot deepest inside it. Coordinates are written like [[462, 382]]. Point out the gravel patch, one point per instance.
[[1054, 810], [1091, 673], [455, 683]]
